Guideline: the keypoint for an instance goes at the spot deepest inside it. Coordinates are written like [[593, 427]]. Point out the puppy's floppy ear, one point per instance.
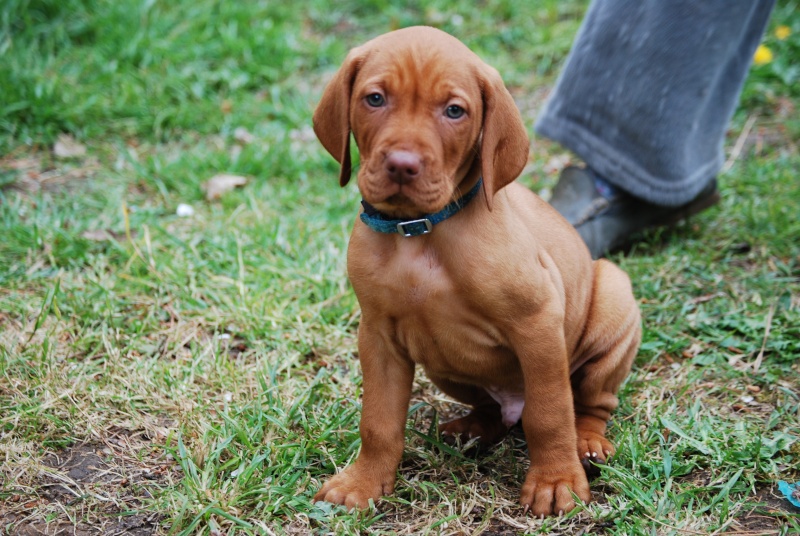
[[504, 144], [332, 115]]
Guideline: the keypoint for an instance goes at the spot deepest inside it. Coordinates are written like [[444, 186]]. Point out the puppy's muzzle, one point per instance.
[[402, 167]]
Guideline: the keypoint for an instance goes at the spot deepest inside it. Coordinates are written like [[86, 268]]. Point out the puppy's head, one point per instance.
[[426, 114]]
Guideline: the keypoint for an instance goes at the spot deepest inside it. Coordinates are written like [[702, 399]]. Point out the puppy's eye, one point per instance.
[[375, 100], [454, 111]]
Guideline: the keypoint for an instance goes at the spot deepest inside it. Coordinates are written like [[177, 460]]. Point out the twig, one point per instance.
[[706, 297], [739, 145], [760, 356], [751, 533]]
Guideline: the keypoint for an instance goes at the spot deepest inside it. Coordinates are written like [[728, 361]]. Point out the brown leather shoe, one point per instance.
[[610, 220]]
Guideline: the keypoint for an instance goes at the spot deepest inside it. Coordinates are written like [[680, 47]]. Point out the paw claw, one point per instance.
[[596, 449]]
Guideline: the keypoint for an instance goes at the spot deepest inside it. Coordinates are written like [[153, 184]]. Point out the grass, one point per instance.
[[179, 375]]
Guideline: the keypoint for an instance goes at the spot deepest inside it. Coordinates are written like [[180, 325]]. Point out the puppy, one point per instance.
[[467, 274]]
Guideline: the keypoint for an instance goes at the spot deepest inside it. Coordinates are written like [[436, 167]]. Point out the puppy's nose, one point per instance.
[[402, 167]]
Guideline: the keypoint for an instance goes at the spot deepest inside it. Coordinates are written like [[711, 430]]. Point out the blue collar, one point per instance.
[[424, 225]]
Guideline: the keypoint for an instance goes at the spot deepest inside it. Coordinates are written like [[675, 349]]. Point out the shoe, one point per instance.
[[607, 218]]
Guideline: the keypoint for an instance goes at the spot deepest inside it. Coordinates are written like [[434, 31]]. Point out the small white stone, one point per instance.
[[184, 210]]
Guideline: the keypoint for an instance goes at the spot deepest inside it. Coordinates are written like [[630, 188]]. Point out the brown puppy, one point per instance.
[[500, 303]]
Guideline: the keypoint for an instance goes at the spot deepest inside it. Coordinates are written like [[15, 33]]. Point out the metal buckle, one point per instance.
[[401, 227]]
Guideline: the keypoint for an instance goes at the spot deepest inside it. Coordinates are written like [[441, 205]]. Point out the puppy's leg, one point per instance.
[[485, 421], [548, 417], [387, 390], [609, 346]]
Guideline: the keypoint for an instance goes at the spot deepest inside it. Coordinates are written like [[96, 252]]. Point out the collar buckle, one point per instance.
[[415, 227], [380, 223]]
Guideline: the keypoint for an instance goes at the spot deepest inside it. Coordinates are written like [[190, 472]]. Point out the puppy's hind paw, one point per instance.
[[485, 425], [593, 449]]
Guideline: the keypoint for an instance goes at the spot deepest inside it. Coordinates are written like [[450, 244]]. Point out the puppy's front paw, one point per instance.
[[354, 487], [548, 492]]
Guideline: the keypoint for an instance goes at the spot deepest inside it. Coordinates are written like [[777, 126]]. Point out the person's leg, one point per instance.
[[648, 90]]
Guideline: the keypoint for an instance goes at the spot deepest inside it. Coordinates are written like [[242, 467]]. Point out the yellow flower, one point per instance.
[[762, 56], [782, 32]]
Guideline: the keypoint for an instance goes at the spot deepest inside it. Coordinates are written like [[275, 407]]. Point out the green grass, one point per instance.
[[208, 363]]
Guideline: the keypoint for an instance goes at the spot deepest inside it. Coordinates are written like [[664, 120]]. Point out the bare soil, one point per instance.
[[90, 489]]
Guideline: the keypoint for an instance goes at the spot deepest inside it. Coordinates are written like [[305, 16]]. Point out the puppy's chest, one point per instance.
[[427, 308], [417, 283]]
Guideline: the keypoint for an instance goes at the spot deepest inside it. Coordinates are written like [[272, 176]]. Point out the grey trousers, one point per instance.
[[649, 88]]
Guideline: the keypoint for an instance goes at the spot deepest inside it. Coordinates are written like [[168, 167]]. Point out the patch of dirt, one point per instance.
[[765, 513], [135, 525], [91, 489], [699, 478], [499, 528]]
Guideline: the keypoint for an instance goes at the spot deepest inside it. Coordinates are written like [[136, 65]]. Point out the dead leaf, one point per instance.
[[692, 351], [105, 235], [97, 235], [243, 136], [217, 185], [67, 147], [23, 164]]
